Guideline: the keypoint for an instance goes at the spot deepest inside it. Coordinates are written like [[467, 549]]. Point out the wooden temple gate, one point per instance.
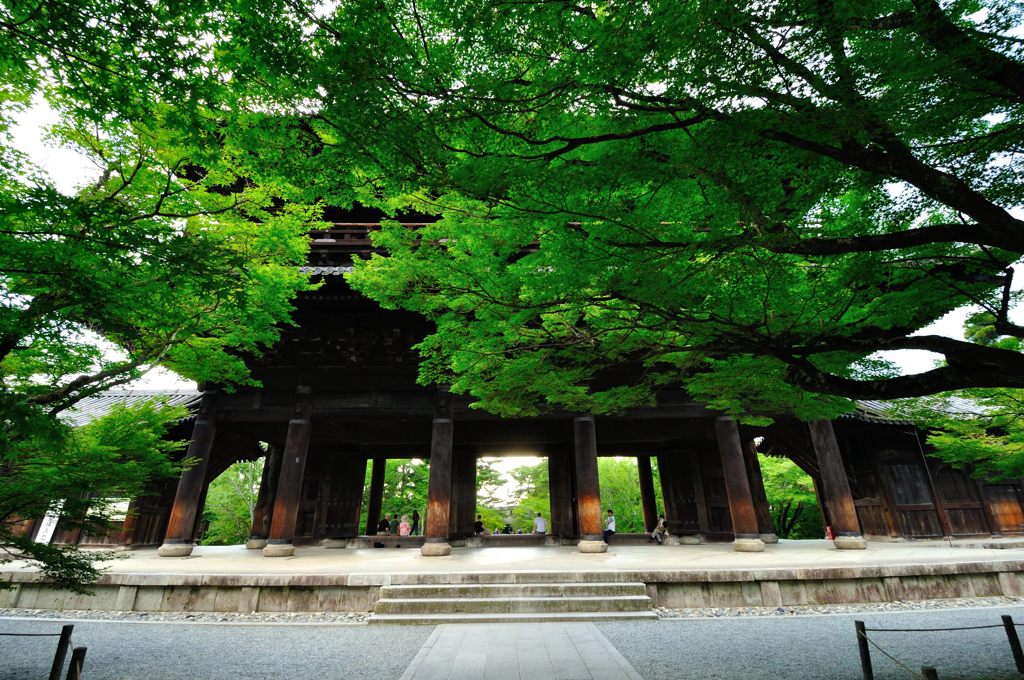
[[339, 394]]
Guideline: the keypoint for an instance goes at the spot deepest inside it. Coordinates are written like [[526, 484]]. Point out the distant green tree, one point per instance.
[[406, 484], [78, 471], [791, 497], [230, 503], [620, 491], [979, 430], [531, 495]]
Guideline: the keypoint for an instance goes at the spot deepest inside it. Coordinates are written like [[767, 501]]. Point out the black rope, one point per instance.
[[30, 634], [933, 630]]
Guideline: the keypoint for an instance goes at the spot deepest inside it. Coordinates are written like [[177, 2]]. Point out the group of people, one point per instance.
[[658, 534], [540, 527], [391, 525]]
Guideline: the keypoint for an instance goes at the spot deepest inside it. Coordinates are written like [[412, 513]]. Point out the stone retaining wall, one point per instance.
[[675, 589]]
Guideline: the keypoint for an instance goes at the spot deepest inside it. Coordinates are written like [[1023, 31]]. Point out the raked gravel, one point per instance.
[[361, 617], [867, 608], [190, 617]]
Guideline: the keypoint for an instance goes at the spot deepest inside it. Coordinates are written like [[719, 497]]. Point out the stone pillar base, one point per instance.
[[690, 539], [748, 545], [436, 550], [255, 544], [334, 543], [278, 550], [850, 543], [593, 546], [175, 550], [769, 538]]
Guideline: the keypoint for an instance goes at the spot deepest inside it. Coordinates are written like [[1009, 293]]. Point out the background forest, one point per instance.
[[515, 498]]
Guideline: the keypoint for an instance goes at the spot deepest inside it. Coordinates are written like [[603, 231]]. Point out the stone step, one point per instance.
[[513, 605], [514, 590], [507, 577], [532, 617]]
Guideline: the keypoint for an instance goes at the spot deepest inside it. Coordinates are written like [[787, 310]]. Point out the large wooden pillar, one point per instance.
[[289, 483], [588, 490], [737, 487], [563, 524], [760, 496], [439, 492], [178, 539], [342, 498], [835, 487], [376, 501], [264, 509], [460, 523], [647, 499]]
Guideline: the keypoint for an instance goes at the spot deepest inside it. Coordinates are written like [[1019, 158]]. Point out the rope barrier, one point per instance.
[[933, 630], [30, 634], [892, 658]]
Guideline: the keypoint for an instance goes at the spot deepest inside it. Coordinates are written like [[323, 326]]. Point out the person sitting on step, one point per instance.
[[609, 525], [659, 531]]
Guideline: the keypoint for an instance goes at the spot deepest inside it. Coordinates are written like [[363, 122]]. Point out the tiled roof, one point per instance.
[[325, 271], [875, 412], [99, 405]]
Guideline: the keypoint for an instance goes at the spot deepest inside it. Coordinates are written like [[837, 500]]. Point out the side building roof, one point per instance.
[[98, 405]]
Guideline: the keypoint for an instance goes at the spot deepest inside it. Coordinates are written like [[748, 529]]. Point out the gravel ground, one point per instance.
[[800, 643], [803, 610], [170, 651], [816, 647], [189, 617]]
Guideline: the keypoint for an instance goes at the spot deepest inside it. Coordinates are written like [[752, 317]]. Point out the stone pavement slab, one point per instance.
[[236, 560], [560, 651]]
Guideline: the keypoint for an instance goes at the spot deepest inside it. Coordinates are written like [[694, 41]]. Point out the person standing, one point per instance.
[[609, 525], [659, 531], [539, 526], [415, 531]]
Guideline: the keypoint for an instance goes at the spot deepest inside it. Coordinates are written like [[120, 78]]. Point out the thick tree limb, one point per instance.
[[968, 365], [952, 41]]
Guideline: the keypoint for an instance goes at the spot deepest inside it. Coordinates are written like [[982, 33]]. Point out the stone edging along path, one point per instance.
[[688, 589], [358, 618]]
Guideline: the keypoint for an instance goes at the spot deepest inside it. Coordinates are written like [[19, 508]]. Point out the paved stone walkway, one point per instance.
[[310, 560], [561, 651]]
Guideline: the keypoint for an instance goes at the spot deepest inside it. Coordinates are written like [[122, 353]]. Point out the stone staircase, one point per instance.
[[512, 602]]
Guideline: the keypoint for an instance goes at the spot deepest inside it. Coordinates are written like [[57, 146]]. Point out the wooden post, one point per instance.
[[865, 652], [131, 518], [77, 663], [560, 487], [588, 490], [439, 493], [289, 483], [178, 540], [1014, 640], [343, 498], [460, 524], [669, 473], [836, 488], [938, 501], [264, 509], [760, 496], [376, 501], [647, 499], [63, 642], [737, 487]]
